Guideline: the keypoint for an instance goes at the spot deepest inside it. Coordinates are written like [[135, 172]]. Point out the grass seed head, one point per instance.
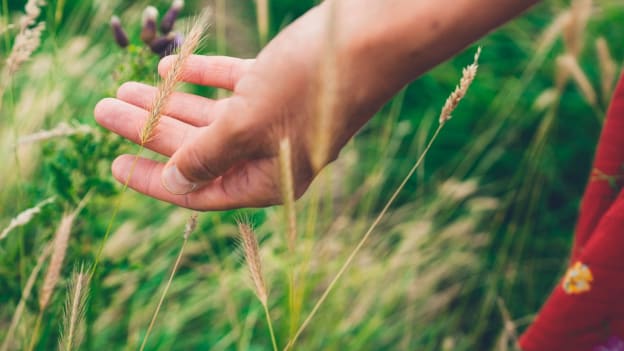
[[25, 217], [61, 241], [168, 85], [77, 294], [468, 76], [251, 250], [191, 225]]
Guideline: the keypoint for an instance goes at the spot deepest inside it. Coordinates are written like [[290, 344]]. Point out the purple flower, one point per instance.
[[166, 25], [148, 31], [120, 35], [161, 45]]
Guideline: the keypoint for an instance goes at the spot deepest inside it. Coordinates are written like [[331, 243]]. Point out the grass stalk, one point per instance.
[[190, 227], [251, 251], [262, 15], [59, 250], [361, 243], [165, 88], [267, 315], [74, 310], [35, 333], [468, 75], [19, 311], [111, 221], [290, 218]]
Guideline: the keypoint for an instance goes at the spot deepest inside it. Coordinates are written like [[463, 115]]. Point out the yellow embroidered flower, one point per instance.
[[578, 279]]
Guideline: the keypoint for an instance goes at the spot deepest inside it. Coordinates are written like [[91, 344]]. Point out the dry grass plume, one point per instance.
[[468, 76], [168, 85], [78, 291], [251, 251], [25, 217]]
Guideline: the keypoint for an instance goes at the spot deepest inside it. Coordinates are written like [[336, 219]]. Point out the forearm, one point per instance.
[[395, 41]]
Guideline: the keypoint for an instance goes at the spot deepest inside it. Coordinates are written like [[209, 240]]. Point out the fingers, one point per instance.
[[216, 71], [189, 108], [233, 191], [127, 120], [212, 152]]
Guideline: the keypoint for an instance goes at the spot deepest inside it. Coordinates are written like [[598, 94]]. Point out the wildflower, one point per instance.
[[120, 34], [577, 279], [168, 21], [148, 31], [162, 45]]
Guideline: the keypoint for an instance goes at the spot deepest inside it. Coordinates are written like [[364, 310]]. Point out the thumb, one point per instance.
[[208, 155]]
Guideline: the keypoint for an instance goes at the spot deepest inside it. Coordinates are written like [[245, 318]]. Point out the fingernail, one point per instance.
[[120, 170], [175, 182]]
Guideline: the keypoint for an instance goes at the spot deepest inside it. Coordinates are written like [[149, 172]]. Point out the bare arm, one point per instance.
[[223, 154]]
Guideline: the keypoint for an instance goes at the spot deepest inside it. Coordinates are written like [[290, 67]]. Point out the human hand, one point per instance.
[[224, 153], [315, 84]]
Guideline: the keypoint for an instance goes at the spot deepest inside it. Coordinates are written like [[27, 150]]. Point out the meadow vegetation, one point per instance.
[[460, 259]]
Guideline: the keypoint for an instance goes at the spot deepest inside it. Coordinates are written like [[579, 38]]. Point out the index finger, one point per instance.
[[215, 71]]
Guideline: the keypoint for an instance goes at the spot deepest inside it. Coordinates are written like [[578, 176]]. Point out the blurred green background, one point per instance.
[[483, 229]]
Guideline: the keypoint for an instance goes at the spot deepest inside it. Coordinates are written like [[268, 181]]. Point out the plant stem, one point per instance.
[[359, 246], [164, 294], [268, 318], [111, 222], [25, 295], [35, 332]]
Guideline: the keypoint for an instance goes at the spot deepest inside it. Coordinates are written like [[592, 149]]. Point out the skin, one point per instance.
[[224, 153]]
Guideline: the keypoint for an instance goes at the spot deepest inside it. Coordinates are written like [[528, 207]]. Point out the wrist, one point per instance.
[[392, 42]]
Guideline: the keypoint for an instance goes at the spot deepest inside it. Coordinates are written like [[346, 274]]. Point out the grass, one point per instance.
[[462, 259]]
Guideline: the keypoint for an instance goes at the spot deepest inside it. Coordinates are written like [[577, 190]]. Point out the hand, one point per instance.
[[313, 87], [224, 153]]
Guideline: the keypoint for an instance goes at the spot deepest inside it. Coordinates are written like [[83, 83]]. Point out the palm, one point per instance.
[[187, 117]]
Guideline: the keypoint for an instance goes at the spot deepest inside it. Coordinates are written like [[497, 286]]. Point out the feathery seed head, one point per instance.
[[468, 75], [77, 294], [61, 240], [26, 42], [167, 86], [33, 10], [251, 251], [191, 224], [25, 217]]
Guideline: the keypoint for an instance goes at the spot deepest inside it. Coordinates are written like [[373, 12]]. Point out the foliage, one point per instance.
[[489, 216]]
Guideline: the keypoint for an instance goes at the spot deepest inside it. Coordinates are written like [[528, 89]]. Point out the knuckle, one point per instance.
[[239, 135], [198, 167], [153, 180]]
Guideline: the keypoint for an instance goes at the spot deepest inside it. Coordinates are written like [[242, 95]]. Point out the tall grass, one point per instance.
[[458, 264]]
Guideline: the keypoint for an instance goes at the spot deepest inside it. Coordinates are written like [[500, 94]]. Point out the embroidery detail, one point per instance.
[[598, 175], [577, 279], [613, 344]]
